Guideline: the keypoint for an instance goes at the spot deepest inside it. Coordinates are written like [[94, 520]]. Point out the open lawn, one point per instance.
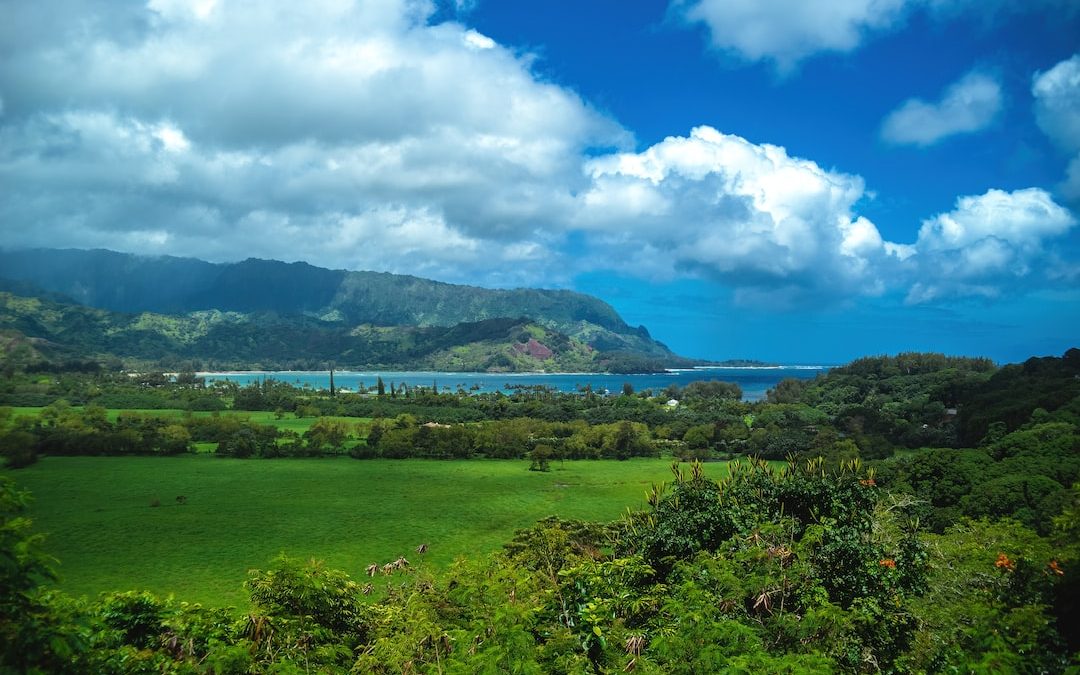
[[241, 513]]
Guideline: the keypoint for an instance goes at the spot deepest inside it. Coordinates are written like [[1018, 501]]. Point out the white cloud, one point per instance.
[[172, 138], [478, 41], [358, 135], [307, 120], [966, 106], [718, 205], [780, 230], [179, 10], [988, 243], [787, 31], [1022, 218], [1057, 110], [1057, 102]]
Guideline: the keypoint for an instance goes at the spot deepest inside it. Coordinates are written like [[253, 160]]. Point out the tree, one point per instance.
[[712, 389], [398, 443], [1032, 500], [175, 439], [316, 614], [18, 449], [374, 435], [627, 443], [249, 398], [242, 444], [380, 387], [32, 635], [188, 378], [327, 433], [699, 436], [541, 457]]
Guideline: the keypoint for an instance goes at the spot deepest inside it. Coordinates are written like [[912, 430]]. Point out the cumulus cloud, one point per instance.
[[1057, 102], [781, 230], [987, 243], [966, 106], [367, 135], [750, 215], [203, 119], [787, 31]]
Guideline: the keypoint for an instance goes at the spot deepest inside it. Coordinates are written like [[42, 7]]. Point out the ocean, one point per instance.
[[755, 381]]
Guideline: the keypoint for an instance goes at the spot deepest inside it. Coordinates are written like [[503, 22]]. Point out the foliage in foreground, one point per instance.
[[802, 570]]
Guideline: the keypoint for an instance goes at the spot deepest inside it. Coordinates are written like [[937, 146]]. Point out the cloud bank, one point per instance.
[[782, 230], [355, 132], [364, 136]]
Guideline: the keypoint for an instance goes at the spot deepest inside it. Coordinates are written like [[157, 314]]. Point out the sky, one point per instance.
[[769, 179]]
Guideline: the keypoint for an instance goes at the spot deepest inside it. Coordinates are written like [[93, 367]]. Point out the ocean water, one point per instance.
[[754, 381]]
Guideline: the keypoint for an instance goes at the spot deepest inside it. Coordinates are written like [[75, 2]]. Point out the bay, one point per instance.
[[755, 381]]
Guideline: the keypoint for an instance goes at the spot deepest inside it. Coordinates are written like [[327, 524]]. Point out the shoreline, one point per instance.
[[529, 373]]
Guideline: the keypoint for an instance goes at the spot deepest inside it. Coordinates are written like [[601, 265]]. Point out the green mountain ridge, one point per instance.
[[37, 330], [164, 284], [267, 313]]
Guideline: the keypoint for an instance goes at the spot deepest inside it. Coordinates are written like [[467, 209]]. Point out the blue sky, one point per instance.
[[791, 181]]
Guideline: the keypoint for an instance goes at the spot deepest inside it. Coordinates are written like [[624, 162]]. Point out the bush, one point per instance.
[[18, 448]]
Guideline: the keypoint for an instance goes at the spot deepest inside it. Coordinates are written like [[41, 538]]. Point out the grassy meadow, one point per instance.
[[239, 514]]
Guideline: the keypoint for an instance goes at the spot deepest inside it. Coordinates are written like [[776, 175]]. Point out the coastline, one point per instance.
[[754, 381], [520, 373]]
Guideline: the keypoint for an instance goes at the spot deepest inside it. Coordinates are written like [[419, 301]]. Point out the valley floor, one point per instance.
[[238, 514]]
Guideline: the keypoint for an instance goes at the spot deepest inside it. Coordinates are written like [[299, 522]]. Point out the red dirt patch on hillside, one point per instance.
[[534, 349]]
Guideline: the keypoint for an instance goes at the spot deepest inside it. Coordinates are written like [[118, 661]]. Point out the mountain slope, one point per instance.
[[128, 283], [38, 330]]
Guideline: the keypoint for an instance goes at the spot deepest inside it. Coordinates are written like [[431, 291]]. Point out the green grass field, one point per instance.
[[288, 421], [241, 513]]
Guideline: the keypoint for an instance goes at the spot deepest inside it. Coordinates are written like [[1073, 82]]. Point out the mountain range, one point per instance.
[[60, 304]]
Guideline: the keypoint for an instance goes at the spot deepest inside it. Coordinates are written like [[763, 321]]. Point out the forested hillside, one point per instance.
[[128, 283], [37, 332]]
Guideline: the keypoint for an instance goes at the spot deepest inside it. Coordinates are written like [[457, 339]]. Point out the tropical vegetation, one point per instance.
[[925, 520]]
